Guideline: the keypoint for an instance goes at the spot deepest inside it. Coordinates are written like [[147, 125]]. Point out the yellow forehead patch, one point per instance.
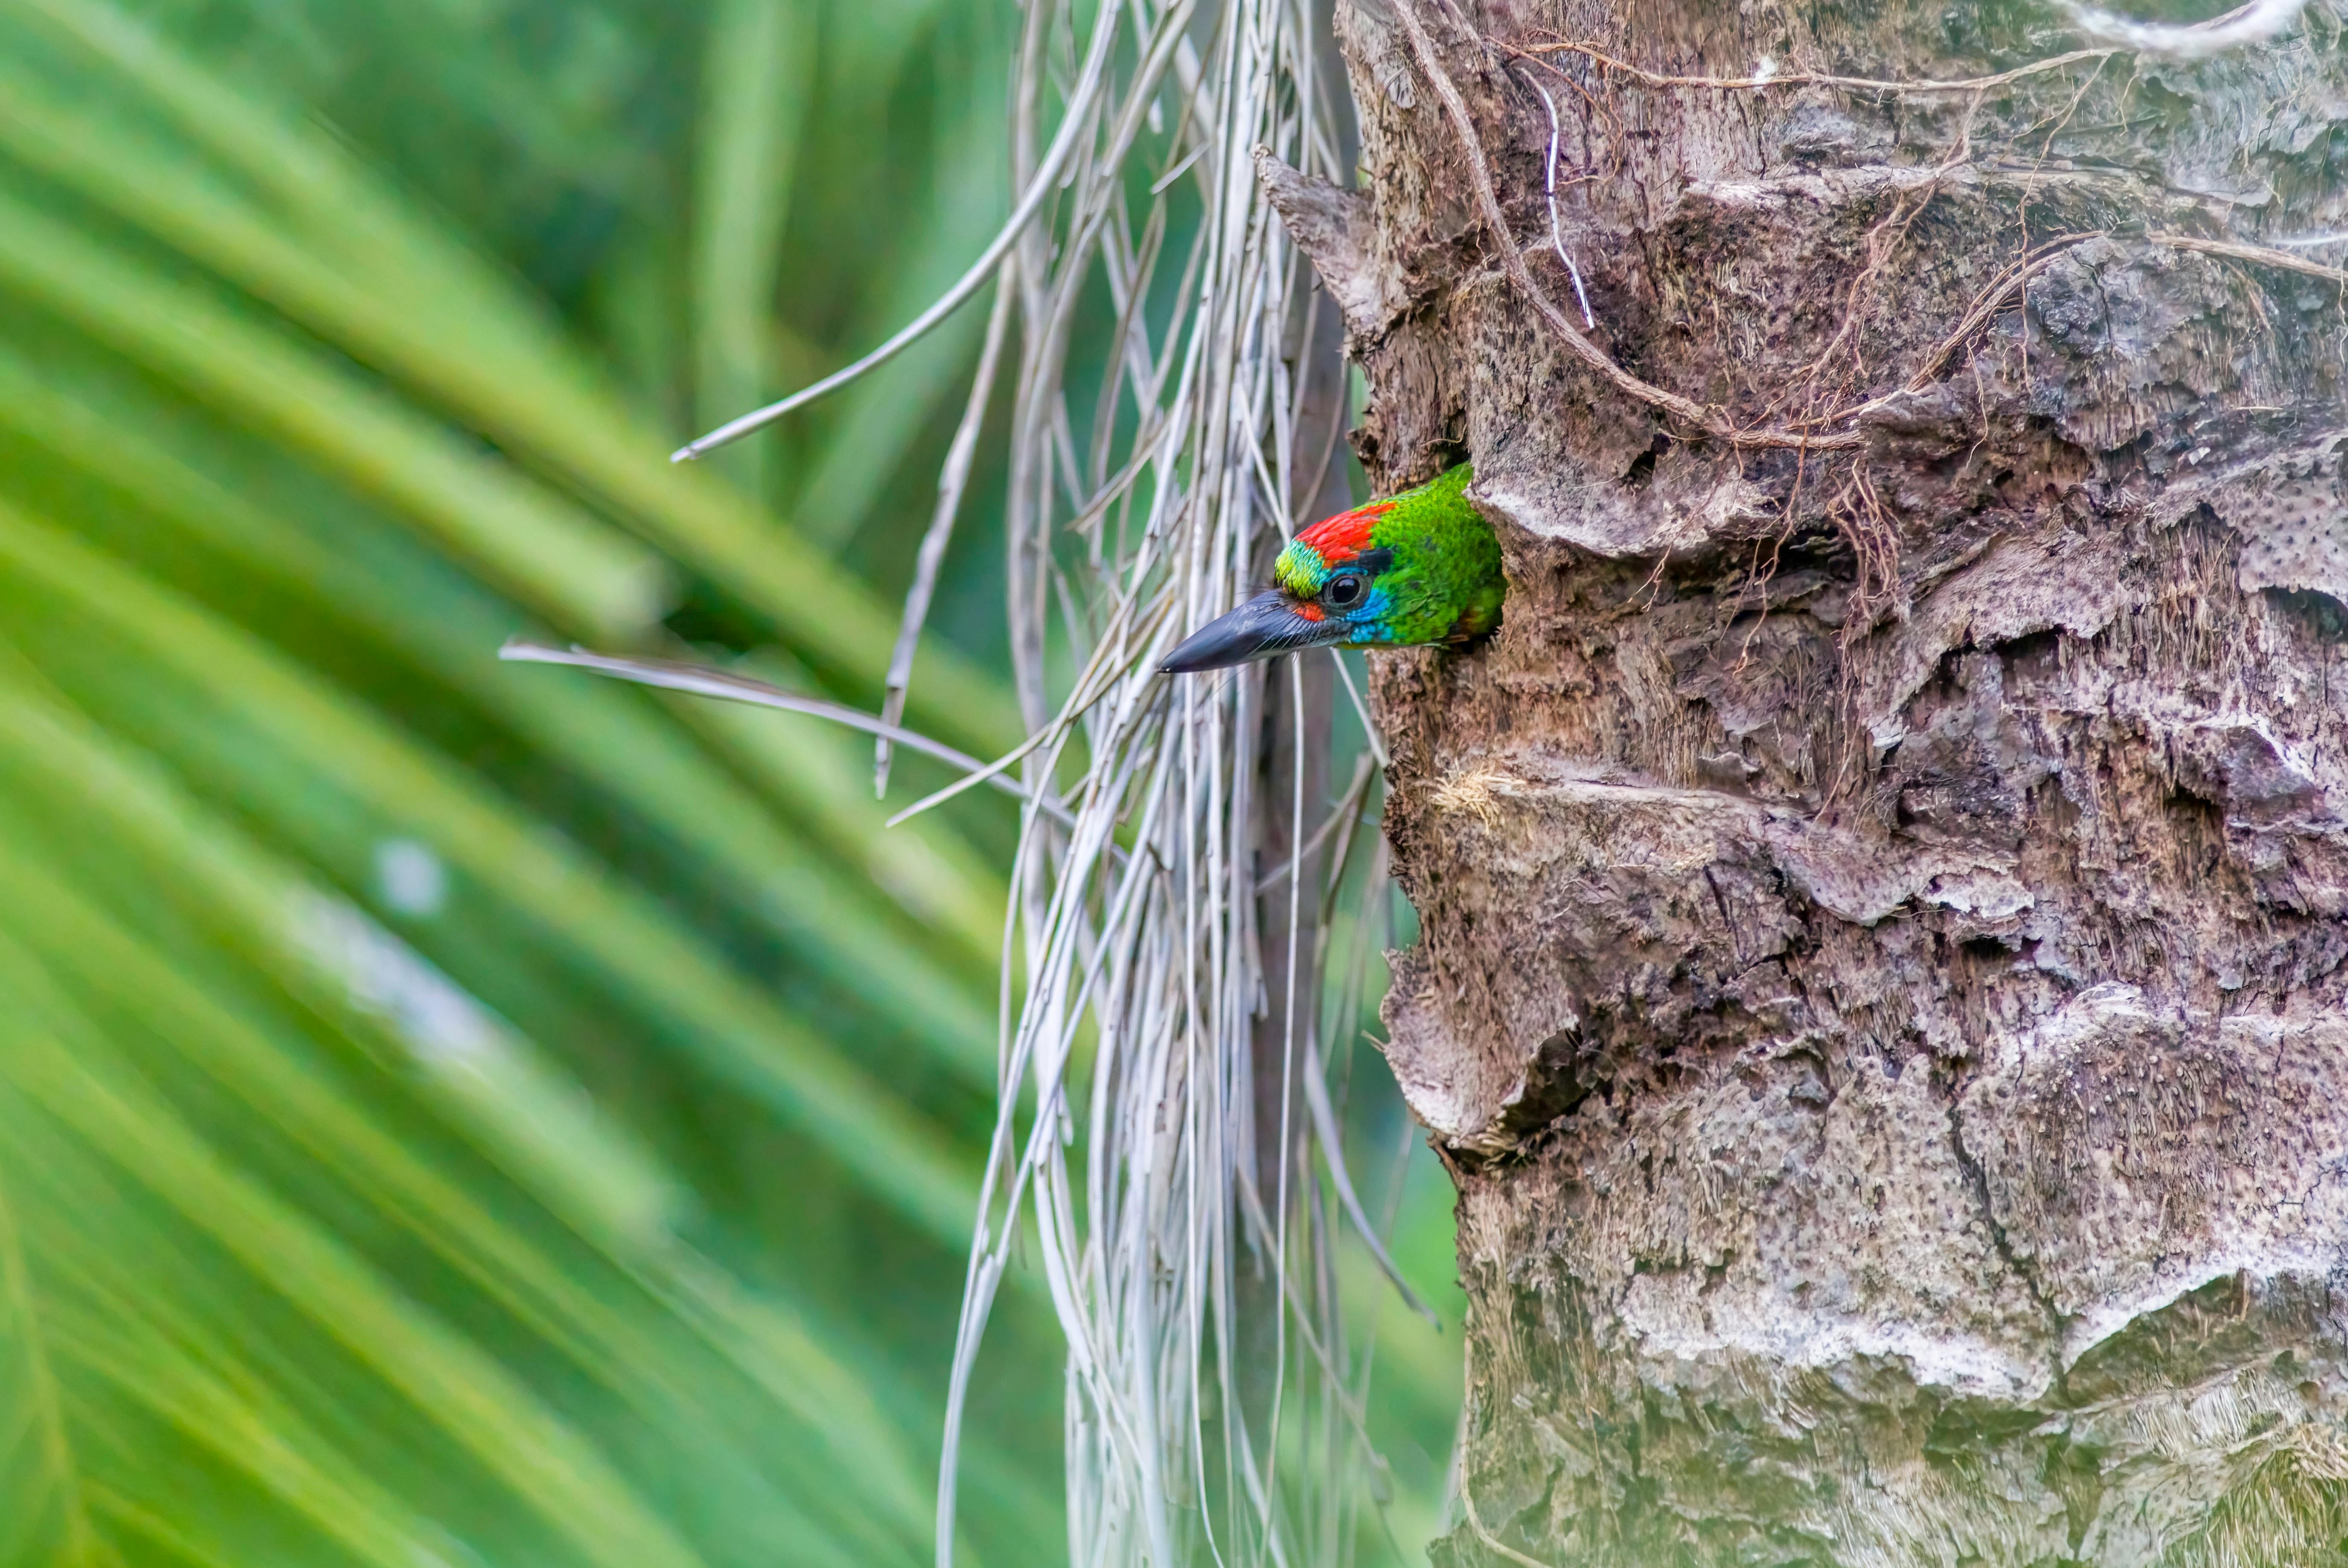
[[1299, 570]]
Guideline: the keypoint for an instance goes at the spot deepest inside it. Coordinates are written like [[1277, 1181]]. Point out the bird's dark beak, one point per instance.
[[1266, 624]]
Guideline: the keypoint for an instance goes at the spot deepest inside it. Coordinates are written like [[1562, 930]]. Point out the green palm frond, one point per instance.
[[348, 1221]]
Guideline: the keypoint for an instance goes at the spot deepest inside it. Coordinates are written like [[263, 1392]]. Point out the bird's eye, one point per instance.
[[1344, 592]]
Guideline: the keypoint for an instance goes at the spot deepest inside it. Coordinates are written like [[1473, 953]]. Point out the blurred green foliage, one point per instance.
[[454, 1112]]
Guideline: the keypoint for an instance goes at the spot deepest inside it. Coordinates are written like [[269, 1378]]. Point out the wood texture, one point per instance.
[[1882, 962]]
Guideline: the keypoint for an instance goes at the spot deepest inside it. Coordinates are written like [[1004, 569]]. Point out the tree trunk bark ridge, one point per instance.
[[1882, 957]]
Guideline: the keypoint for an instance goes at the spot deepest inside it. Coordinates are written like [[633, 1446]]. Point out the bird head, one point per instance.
[[1419, 567]]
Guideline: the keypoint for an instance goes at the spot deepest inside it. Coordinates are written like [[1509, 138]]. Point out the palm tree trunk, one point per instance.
[[1882, 953]]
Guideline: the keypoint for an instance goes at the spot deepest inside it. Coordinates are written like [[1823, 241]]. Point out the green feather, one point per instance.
[[1445, 584]]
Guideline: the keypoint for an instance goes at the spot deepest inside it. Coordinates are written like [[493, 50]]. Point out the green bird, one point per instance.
[[1419, 567]]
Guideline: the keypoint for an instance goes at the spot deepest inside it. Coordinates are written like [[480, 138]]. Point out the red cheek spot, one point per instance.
[[1309, 609]]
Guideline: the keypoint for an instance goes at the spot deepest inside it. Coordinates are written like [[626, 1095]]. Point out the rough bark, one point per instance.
[[1881, 986]]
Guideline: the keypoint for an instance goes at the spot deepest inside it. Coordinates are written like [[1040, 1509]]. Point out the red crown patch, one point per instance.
[[1341, 538]]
